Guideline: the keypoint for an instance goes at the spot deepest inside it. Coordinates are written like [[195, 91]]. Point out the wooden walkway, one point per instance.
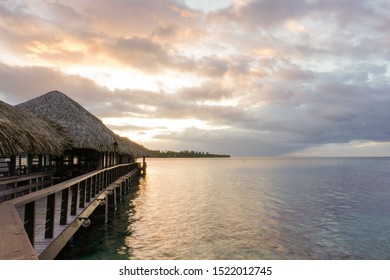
[[42, 222], [40, 242]]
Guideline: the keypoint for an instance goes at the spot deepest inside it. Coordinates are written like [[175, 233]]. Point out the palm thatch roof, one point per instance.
[[22, 133], [84, 129], [125, 144]]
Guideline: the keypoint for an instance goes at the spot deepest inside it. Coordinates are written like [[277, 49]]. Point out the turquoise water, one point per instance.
[[248, 208]]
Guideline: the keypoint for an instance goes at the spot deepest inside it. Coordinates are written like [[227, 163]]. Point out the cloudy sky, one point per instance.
[[242, 77]]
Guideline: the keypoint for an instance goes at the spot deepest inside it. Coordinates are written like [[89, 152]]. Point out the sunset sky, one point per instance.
[[241, 77]]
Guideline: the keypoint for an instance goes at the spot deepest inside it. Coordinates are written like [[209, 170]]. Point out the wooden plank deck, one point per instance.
[[24, 218], [40, 242]]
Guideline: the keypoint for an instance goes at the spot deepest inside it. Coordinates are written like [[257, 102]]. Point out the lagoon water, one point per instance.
[[248, 208]]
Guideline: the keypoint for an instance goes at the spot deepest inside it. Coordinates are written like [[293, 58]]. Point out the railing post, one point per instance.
[[82, 194], [104, 180], [98, 183], [73, 204], [15, 187], [93, 186], [50, 210], [29, 221], [64, 207], [88, 190]]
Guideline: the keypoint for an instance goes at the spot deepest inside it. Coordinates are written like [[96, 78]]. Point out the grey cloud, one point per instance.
[[211, 66], [208, 91], [141, 53], [330, 85], [295, 73], [152, 57], [265, 13], [332, 112], [19, 84]]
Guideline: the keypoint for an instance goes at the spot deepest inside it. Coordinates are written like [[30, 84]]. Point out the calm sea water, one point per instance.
[[249, 208]]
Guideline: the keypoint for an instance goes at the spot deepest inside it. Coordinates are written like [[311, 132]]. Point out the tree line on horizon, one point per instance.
[[183, 154]]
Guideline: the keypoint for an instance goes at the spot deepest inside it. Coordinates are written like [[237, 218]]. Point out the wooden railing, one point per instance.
[[75, 194], [11, 187]]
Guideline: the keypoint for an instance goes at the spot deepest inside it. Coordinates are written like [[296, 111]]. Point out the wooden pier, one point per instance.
[[39, 224]]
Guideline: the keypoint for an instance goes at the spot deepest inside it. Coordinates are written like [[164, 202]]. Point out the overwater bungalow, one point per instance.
[[52, 138], [27, 145], [93, 145], [58, 164]]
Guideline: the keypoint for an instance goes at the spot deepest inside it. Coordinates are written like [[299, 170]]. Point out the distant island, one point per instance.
[[183, 154]]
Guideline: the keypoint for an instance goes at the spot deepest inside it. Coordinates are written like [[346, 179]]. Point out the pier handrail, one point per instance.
[[23, 200], [80, 190], [21, 178], [12, 187]]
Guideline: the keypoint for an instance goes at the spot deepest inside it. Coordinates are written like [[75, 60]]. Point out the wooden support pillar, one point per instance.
[[143, 166], [12, 166], [118, 191], [88, 190], [73, 204], [111, 199], [123, 188], [29, 163], [64, 207], [29, 221], [50, 210], [93, 186], [106, 210], [82, 195], [115, 197], [41, 163], [97, 183]]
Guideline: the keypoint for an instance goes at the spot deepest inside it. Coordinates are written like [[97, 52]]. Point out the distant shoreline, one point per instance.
[[184, 154]]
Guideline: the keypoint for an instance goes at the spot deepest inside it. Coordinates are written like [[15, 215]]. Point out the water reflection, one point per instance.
[[250, 209]]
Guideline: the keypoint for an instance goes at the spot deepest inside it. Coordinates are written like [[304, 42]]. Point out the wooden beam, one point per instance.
[[14, 242], [50, 212]]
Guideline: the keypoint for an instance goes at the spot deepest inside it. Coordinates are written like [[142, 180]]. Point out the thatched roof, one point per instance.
[[84, 129], [125, 144], [22, 133]]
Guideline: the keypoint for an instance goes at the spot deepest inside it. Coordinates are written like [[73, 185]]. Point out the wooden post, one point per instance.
[[12, 166], [143, 166], [41, 163], [111, 199], [64, 207], [29, 221], [106, 210], [50, 210], [93, 186], [98, 183], [73, 204], [114, 197], [82, 194], [29, 164], [88, 190]]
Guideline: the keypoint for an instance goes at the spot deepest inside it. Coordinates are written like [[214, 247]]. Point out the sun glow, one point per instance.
[[145, 129], [122, 79]]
